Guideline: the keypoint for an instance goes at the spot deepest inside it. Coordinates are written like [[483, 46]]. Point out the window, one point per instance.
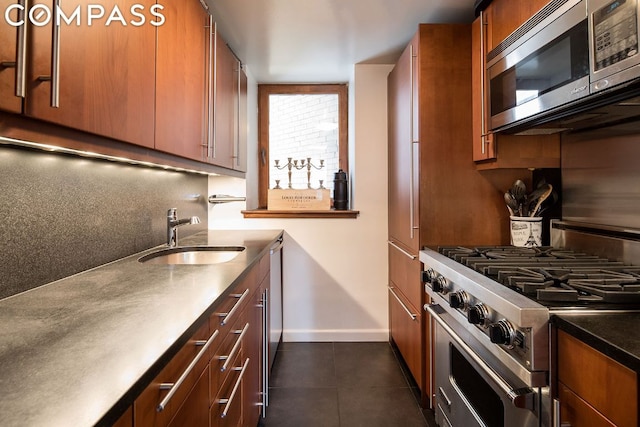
[[301, 122]]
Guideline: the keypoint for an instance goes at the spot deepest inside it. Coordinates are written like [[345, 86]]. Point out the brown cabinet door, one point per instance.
[[505, 16], [181, 80], [106, 74], [9, 101], [599, 381], [224, 129], [195, 409], [403, 150], [406, 332]]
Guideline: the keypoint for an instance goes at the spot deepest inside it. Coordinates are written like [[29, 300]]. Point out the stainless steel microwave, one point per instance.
[[568, 54]]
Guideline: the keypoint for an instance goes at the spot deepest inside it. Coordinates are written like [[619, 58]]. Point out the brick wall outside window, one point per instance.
[[303, 126]]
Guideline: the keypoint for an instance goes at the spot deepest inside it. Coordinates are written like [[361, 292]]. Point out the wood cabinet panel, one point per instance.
[[195, 410], [108, 90], [403, 153], [406, 333], [224, 114], [8, 60], [576, 412], [252, 396], [404, 274], [603, 383], [181, 80], [505, 16]]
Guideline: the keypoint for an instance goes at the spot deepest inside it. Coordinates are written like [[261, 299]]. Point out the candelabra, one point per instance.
[[298, 165]]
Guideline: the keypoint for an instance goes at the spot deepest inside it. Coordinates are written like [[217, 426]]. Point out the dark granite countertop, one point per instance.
[[615, 334], [76, 352]]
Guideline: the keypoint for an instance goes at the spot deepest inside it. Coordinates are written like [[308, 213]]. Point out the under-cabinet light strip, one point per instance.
[[90, 154]]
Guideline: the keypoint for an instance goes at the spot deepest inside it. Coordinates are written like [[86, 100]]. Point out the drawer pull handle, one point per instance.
[[413, 316], [173, 387], [229, 401], [234, 350], [226, 317], [405, 253]]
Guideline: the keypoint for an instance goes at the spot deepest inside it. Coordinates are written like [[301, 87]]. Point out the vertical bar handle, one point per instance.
[[21, 53], [414, 140], [215, 90], [483, 113], [55, 58]]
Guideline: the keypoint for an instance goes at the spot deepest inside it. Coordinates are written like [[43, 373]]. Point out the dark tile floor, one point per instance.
[[341, 384]]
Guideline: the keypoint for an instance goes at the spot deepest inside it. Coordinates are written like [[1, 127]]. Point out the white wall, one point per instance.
[[335, 270]]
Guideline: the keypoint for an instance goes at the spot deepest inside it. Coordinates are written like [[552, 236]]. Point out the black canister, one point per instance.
[[340, 194]]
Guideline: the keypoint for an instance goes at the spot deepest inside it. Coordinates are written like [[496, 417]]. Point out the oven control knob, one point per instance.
[[477, 315], [502, 333], [428, 275], [439, 284], [459, 300]]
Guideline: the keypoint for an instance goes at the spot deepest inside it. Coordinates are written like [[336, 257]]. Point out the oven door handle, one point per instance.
[[520, 397]]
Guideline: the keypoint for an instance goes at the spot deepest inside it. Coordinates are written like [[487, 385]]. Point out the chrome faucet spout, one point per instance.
[[173, 223]]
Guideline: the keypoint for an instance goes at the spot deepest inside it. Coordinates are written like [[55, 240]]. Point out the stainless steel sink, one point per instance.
[[193, 255]]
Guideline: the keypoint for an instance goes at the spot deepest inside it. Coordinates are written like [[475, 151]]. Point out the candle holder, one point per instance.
[[298, 165]]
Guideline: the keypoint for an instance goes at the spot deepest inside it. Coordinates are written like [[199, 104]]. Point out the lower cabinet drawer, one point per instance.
[[576, 412], [146, 412], [193, 411], [405, 329], [604, 384], [224, 357], [226, 409]]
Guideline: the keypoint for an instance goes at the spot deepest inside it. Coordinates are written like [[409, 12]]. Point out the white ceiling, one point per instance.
[[319, 41]]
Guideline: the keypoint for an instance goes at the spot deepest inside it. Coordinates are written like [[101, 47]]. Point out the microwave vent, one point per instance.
[[536, 19]]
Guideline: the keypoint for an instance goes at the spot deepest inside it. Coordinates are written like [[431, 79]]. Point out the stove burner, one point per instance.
[[551, 275]]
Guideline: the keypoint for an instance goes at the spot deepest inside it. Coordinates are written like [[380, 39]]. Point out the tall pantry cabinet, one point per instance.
[[436, 194]]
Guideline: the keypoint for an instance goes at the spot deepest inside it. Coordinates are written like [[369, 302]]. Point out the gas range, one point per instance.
[[490, 306], [556, 278]]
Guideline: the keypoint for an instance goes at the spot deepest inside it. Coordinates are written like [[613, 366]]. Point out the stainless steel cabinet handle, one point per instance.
[[55, 59], [264, 392], [173, 387], [557, 419], [226, 317], [211, 84], [229, 401], [215, 90], [411, 171], [228, 359], [413, 316], [21, 54], [520, 398], [402, 250], [483, 130]]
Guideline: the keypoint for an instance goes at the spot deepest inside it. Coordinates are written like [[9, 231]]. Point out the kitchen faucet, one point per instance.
[[173, 223]]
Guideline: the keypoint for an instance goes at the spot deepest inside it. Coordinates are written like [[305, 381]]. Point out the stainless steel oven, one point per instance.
[[473, 389], [491, 307]]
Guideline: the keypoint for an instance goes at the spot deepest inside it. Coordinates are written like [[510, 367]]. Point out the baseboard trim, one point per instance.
[[335, 335]]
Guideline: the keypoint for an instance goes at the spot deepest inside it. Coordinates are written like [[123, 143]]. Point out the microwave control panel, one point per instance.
[[615, 32]]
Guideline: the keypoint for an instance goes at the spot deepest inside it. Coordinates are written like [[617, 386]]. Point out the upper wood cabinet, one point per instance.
[[182, 80], [9, 100], [492, 150], [220, 149], [105, 81], [504, 16]]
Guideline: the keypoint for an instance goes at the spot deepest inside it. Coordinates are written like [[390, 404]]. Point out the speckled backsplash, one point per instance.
[[60, 215]]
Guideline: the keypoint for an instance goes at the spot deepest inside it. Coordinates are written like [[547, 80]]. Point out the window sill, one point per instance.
[[264, 213]]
